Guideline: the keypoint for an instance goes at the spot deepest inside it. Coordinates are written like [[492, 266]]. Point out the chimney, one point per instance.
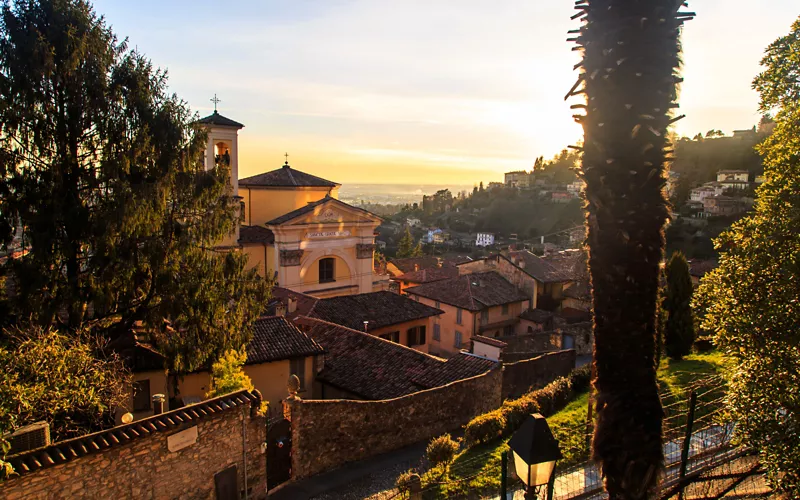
[[366, 326], [416, 267], [158, 404], [280, 309], [522, 263], [292, 305]]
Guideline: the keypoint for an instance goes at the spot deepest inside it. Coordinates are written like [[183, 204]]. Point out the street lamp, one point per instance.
[[535, 453]]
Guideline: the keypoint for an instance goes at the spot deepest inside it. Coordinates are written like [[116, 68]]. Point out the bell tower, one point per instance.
[[223, 149], [223, 143]]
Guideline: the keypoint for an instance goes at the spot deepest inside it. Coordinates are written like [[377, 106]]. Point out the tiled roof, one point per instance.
[[489, 341], [580, 291], [381, 309], [137, 355], [217, 119], [429, 275], [409, 264], [536, 315], [274, 338], [462, 365], [373, 368], [454, 261], [537, 267], [699, 268], [303, 302], [255, 234], [572, 264], [471, 291], [65, 451], [310, 208], [286, 176]]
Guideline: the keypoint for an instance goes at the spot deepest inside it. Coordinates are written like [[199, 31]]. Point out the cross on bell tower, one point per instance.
[[287, 158], [216, 101]]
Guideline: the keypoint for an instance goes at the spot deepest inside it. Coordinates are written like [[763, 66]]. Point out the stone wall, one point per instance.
[[145, 468], [526, 375], [328, 434]]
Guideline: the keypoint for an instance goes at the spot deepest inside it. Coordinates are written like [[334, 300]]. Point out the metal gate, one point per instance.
[[279, 452]]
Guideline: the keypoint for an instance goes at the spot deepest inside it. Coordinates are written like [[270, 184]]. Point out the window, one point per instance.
[[392, 336], [297, 366], [416, 336], [437, 332], [458, 316], [485, 316], [505, 309], [508, 330], [326, 270], [457, 343], [438, 305], [141, 395], [530, 329]]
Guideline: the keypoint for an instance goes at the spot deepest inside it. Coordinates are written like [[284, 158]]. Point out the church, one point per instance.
[[293, 227]]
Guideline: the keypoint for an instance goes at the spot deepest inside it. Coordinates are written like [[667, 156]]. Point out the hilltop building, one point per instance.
[[294, 228]]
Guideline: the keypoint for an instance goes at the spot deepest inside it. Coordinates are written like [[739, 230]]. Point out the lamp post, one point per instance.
[[535, 453]]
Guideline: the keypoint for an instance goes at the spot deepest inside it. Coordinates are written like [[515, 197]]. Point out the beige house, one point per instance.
[[278, 350], [148, 368], [481, 303]]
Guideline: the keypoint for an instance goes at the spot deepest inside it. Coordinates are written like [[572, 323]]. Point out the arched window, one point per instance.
[[530, 329], [327, 270], [222, 153]]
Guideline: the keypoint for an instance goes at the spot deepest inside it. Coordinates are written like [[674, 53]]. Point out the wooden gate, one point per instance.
[[279, 452]]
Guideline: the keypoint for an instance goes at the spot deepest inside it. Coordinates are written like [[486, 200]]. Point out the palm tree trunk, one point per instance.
[[631, 55]]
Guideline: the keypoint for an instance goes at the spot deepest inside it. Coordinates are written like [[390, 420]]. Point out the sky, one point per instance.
[[419, 91]]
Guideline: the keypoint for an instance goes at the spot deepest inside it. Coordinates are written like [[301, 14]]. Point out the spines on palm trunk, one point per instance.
[[628, 75]]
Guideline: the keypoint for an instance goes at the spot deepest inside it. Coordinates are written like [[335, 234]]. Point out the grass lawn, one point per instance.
[[476, 471]]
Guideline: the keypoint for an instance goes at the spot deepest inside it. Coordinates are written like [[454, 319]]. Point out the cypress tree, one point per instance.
[[406, 246], [102, 173], [679, 327]]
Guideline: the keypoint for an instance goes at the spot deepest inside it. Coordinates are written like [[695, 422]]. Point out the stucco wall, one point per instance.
[[145, 468], [535, 373], [448, 327], [262, 205], [158, 385], [403, 329], [328, 434], [260, 257]]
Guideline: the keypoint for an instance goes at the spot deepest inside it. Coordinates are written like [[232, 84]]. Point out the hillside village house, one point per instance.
[[484, 239], [278, 350], [384, 314], [294, 228], [519, 178], [149, 375], [364, 367], [734, 179], [481, 303]]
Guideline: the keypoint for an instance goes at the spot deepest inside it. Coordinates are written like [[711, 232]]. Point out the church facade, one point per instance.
[[293, 227]]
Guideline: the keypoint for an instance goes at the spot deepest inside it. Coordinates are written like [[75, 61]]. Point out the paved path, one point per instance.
[[364, 479]]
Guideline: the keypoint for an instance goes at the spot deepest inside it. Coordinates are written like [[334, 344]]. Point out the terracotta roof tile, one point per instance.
[[70, 449], [373, 368], [471, 291], [255, 234], [381, 309], [409, 264], [275, 338], [217, 119], [286, 176], [429, 275], [536, 315]]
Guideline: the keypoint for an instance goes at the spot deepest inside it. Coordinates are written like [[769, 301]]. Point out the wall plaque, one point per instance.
[[290, 257], [182, 439], [327, 234], [364, 250]]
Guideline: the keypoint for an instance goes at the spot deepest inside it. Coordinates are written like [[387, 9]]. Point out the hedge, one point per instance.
[[547, 400]]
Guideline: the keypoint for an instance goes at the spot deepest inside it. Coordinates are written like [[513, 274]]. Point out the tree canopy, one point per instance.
[[66, 379], [750, 302], [103, 184], [227, 374]]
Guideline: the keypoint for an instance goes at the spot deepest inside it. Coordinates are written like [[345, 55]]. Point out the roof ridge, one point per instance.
[[369, 335]]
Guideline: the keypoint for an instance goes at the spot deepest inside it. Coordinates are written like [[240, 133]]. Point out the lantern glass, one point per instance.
[[533, 474]]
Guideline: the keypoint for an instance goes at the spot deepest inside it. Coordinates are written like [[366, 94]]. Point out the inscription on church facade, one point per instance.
[[327, 234]]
